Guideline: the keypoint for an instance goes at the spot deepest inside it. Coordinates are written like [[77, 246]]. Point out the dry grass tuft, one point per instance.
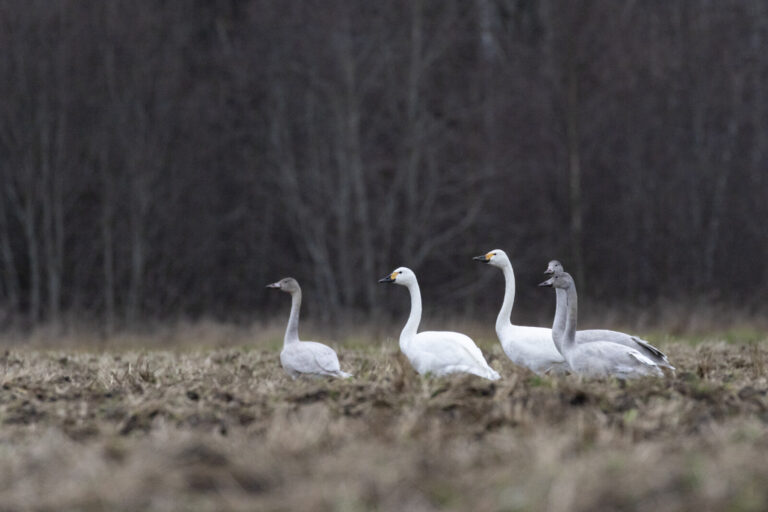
[[225, 429]]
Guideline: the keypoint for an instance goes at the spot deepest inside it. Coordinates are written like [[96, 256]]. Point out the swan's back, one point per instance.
[[443, 352], [620, 338], [310, 357], [604, 358]]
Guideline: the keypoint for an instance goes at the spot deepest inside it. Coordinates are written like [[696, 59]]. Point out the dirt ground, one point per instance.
[[225, 429]]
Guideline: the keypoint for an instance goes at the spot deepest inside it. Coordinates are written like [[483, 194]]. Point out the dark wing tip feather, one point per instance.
[[650, 348]]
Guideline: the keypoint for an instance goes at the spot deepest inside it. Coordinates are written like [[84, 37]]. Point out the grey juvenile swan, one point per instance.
[[304, 357], [596, 358], [587, 336]]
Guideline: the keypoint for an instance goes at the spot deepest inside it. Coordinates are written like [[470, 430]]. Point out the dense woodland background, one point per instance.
[[167, 159]]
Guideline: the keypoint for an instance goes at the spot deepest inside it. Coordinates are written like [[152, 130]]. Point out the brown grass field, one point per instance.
[[222, 428]]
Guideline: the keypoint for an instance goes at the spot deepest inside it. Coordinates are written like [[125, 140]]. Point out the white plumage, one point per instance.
[[533, 347], [436, 352]]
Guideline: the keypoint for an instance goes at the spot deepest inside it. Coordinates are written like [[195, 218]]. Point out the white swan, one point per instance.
[[587, 336], [436, 352], [531, 347], [304, 357], [596, 358]]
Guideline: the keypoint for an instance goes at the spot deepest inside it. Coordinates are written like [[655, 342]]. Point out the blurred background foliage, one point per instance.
[[168, 159]]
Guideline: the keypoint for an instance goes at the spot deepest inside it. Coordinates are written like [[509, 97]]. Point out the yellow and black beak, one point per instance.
[[389, 279], [485, 258]]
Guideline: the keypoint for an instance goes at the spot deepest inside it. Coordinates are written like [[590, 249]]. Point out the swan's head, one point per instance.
[[554, 267], [287, 285], [403, 276], [496, 257], [563, 281]]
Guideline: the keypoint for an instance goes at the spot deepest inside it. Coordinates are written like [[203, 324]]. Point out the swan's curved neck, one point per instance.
[[292, 331], [412, 325], [503, 319]]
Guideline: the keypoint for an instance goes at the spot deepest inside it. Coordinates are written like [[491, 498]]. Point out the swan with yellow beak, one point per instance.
[[436, 352]]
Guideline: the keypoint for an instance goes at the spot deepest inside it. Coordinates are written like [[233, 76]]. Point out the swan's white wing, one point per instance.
[[311, 357], [441, 352], [531, 347], [464, 341], [635, 354]]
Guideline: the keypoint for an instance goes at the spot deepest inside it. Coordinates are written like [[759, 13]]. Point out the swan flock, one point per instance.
[[559, 350]]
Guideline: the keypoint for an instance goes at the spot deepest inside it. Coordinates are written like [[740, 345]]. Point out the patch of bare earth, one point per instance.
[[227, 430]]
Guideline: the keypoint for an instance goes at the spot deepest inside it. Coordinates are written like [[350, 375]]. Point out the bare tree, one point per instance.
[[165, 161]]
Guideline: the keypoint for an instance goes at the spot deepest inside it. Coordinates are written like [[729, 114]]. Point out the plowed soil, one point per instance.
[[226, 429]]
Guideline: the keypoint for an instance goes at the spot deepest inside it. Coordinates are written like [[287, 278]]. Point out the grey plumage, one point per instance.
[[596, 358], [591, 335], [304, 357]]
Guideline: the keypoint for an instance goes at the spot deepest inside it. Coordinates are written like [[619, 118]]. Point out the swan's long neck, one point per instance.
[[292, 331], [503, 319], [569, 340], [412, 325], [558, 326]]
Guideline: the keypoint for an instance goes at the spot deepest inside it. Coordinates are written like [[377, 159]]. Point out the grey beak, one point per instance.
[[548, 282], [387, 279], [549, 271], [481, 258], [273, 285]]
